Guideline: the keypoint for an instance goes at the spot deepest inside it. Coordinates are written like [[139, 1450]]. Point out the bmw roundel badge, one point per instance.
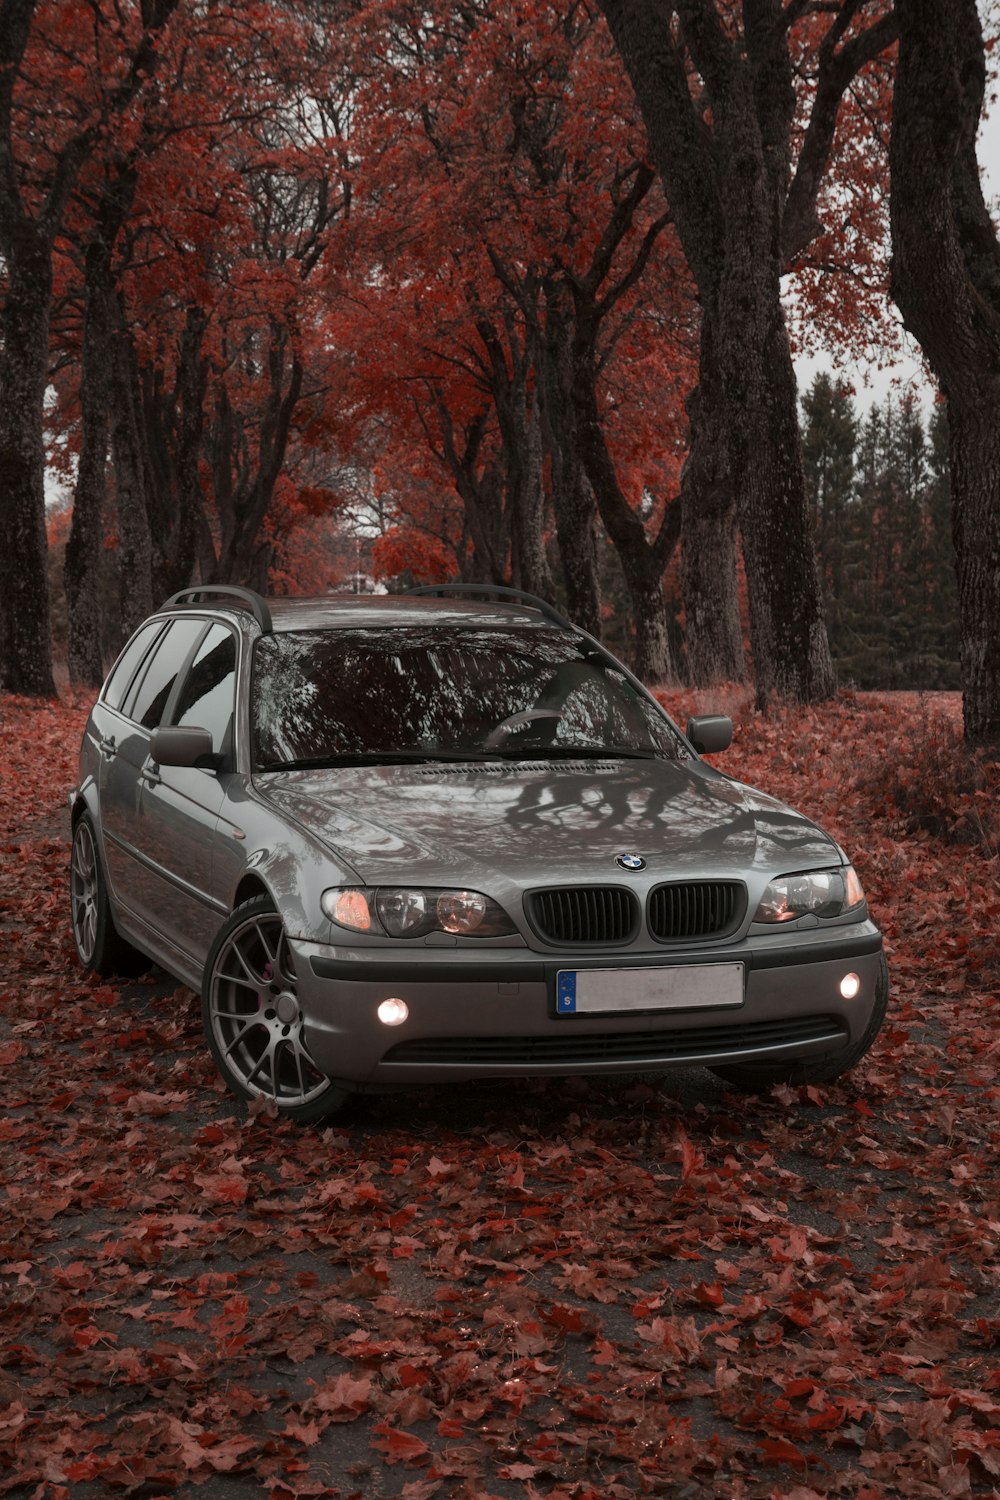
[[631, 861]]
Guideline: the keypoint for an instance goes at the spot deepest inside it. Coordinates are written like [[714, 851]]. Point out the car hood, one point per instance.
[[550, 821]]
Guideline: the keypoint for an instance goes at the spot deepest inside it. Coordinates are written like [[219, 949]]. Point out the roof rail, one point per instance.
[[249, 597], [478, 589]]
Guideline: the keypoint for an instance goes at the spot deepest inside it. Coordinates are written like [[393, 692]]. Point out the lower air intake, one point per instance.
[[697, 1044]]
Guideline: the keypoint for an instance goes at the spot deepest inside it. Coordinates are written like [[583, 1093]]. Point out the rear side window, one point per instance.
[[208, 692], [130, 658], [148, 698]]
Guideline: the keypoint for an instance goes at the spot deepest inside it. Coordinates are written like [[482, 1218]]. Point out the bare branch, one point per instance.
[[836, 72]]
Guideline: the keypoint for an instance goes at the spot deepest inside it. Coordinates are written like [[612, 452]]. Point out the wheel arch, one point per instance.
[[251, 885], [83, 800]]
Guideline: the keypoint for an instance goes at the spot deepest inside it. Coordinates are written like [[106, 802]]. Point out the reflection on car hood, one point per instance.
[[545, 822]]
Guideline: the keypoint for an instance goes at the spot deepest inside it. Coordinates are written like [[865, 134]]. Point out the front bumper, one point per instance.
[[493, 1013]]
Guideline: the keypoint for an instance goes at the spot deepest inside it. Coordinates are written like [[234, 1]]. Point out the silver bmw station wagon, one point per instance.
[[446, 835]]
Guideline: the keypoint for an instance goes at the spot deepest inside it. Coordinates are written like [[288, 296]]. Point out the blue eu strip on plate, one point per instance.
[[566, 1002]]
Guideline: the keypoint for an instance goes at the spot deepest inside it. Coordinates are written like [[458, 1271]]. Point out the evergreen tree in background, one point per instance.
[[881, 505], [829, 439]]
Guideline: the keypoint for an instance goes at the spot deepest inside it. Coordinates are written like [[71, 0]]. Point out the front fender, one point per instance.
[[275, 855]]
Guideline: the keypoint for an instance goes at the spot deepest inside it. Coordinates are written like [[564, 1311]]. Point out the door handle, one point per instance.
[[107, 747], [151, 775]]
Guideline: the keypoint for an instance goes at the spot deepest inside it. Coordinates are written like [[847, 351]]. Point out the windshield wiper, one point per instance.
[[376, 758], [350, 758], [581, 752]]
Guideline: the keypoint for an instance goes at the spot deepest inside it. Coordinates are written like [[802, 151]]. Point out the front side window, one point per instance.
[[148, 697], [330, 696], [128, 661], [208, 692]]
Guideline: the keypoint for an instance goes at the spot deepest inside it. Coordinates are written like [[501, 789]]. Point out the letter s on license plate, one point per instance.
[[678, 987]]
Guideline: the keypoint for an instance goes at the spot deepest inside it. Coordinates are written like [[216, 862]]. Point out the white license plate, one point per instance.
[[679, 987]]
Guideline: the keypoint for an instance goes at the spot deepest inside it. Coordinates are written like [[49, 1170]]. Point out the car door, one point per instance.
[[179, 806], [107, 728], [118, 773], [122, 772]]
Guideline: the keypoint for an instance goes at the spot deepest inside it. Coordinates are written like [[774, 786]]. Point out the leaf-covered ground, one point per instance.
[[560, 1289]]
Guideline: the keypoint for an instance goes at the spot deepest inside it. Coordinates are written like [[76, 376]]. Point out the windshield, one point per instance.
[[355, 696]]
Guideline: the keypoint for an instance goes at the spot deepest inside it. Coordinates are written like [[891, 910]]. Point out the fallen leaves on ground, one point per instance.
[[566, 1289]]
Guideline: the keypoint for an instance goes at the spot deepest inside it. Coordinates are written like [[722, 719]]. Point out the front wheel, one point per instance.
[[250, 1011], [757, 1078]]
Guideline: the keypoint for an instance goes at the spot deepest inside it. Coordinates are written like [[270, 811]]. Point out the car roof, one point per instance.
[[346, 611], [394, 609]]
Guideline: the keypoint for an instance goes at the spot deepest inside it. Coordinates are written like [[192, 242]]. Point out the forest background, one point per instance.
[[339, 294]]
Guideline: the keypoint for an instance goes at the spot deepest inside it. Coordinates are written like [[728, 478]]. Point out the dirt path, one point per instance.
[[560, 1289]]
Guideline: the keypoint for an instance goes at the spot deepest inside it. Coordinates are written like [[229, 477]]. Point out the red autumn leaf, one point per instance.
[[567, 1318], [781, 1451], [343, 1394], [711, 1294], [399, 1447]]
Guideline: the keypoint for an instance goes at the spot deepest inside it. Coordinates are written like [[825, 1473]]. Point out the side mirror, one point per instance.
[[182, 745], [710, 733]]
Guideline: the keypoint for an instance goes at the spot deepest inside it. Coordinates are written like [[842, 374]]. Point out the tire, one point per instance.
[[249, 1008], [99, 947], [757, 1078]]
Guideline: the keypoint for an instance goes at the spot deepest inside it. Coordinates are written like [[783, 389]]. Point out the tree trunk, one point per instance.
[[26, 247], [135, 547], [946, 283], [709, 545], [482, 551], [576, 533], [653, 660], [173, 424], [643, 562], [529, 563], [482, 497], [25, 647], [517, 405], [975, 483], [573, 497], [86, 537], [717, 89], [791, 654], [249, 500], [224, 446]]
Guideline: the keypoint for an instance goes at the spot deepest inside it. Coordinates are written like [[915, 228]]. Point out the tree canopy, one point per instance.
[[492, 292]]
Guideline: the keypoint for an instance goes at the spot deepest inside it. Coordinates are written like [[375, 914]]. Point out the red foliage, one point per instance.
[[579, 1289], [495, 141], [373, 202], [841, 282]]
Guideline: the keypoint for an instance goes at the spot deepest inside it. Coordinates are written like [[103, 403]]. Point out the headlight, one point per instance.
[[824, 893], [460, 911], [402, 913], [413, 911]]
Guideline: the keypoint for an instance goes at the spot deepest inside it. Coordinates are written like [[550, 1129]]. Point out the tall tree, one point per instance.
[[716, 84], [42, 153], [828, 444], [88, 523], [946, 283]]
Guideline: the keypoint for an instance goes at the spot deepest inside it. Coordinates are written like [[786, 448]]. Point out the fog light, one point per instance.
[[393, 1012], [849, 986]]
